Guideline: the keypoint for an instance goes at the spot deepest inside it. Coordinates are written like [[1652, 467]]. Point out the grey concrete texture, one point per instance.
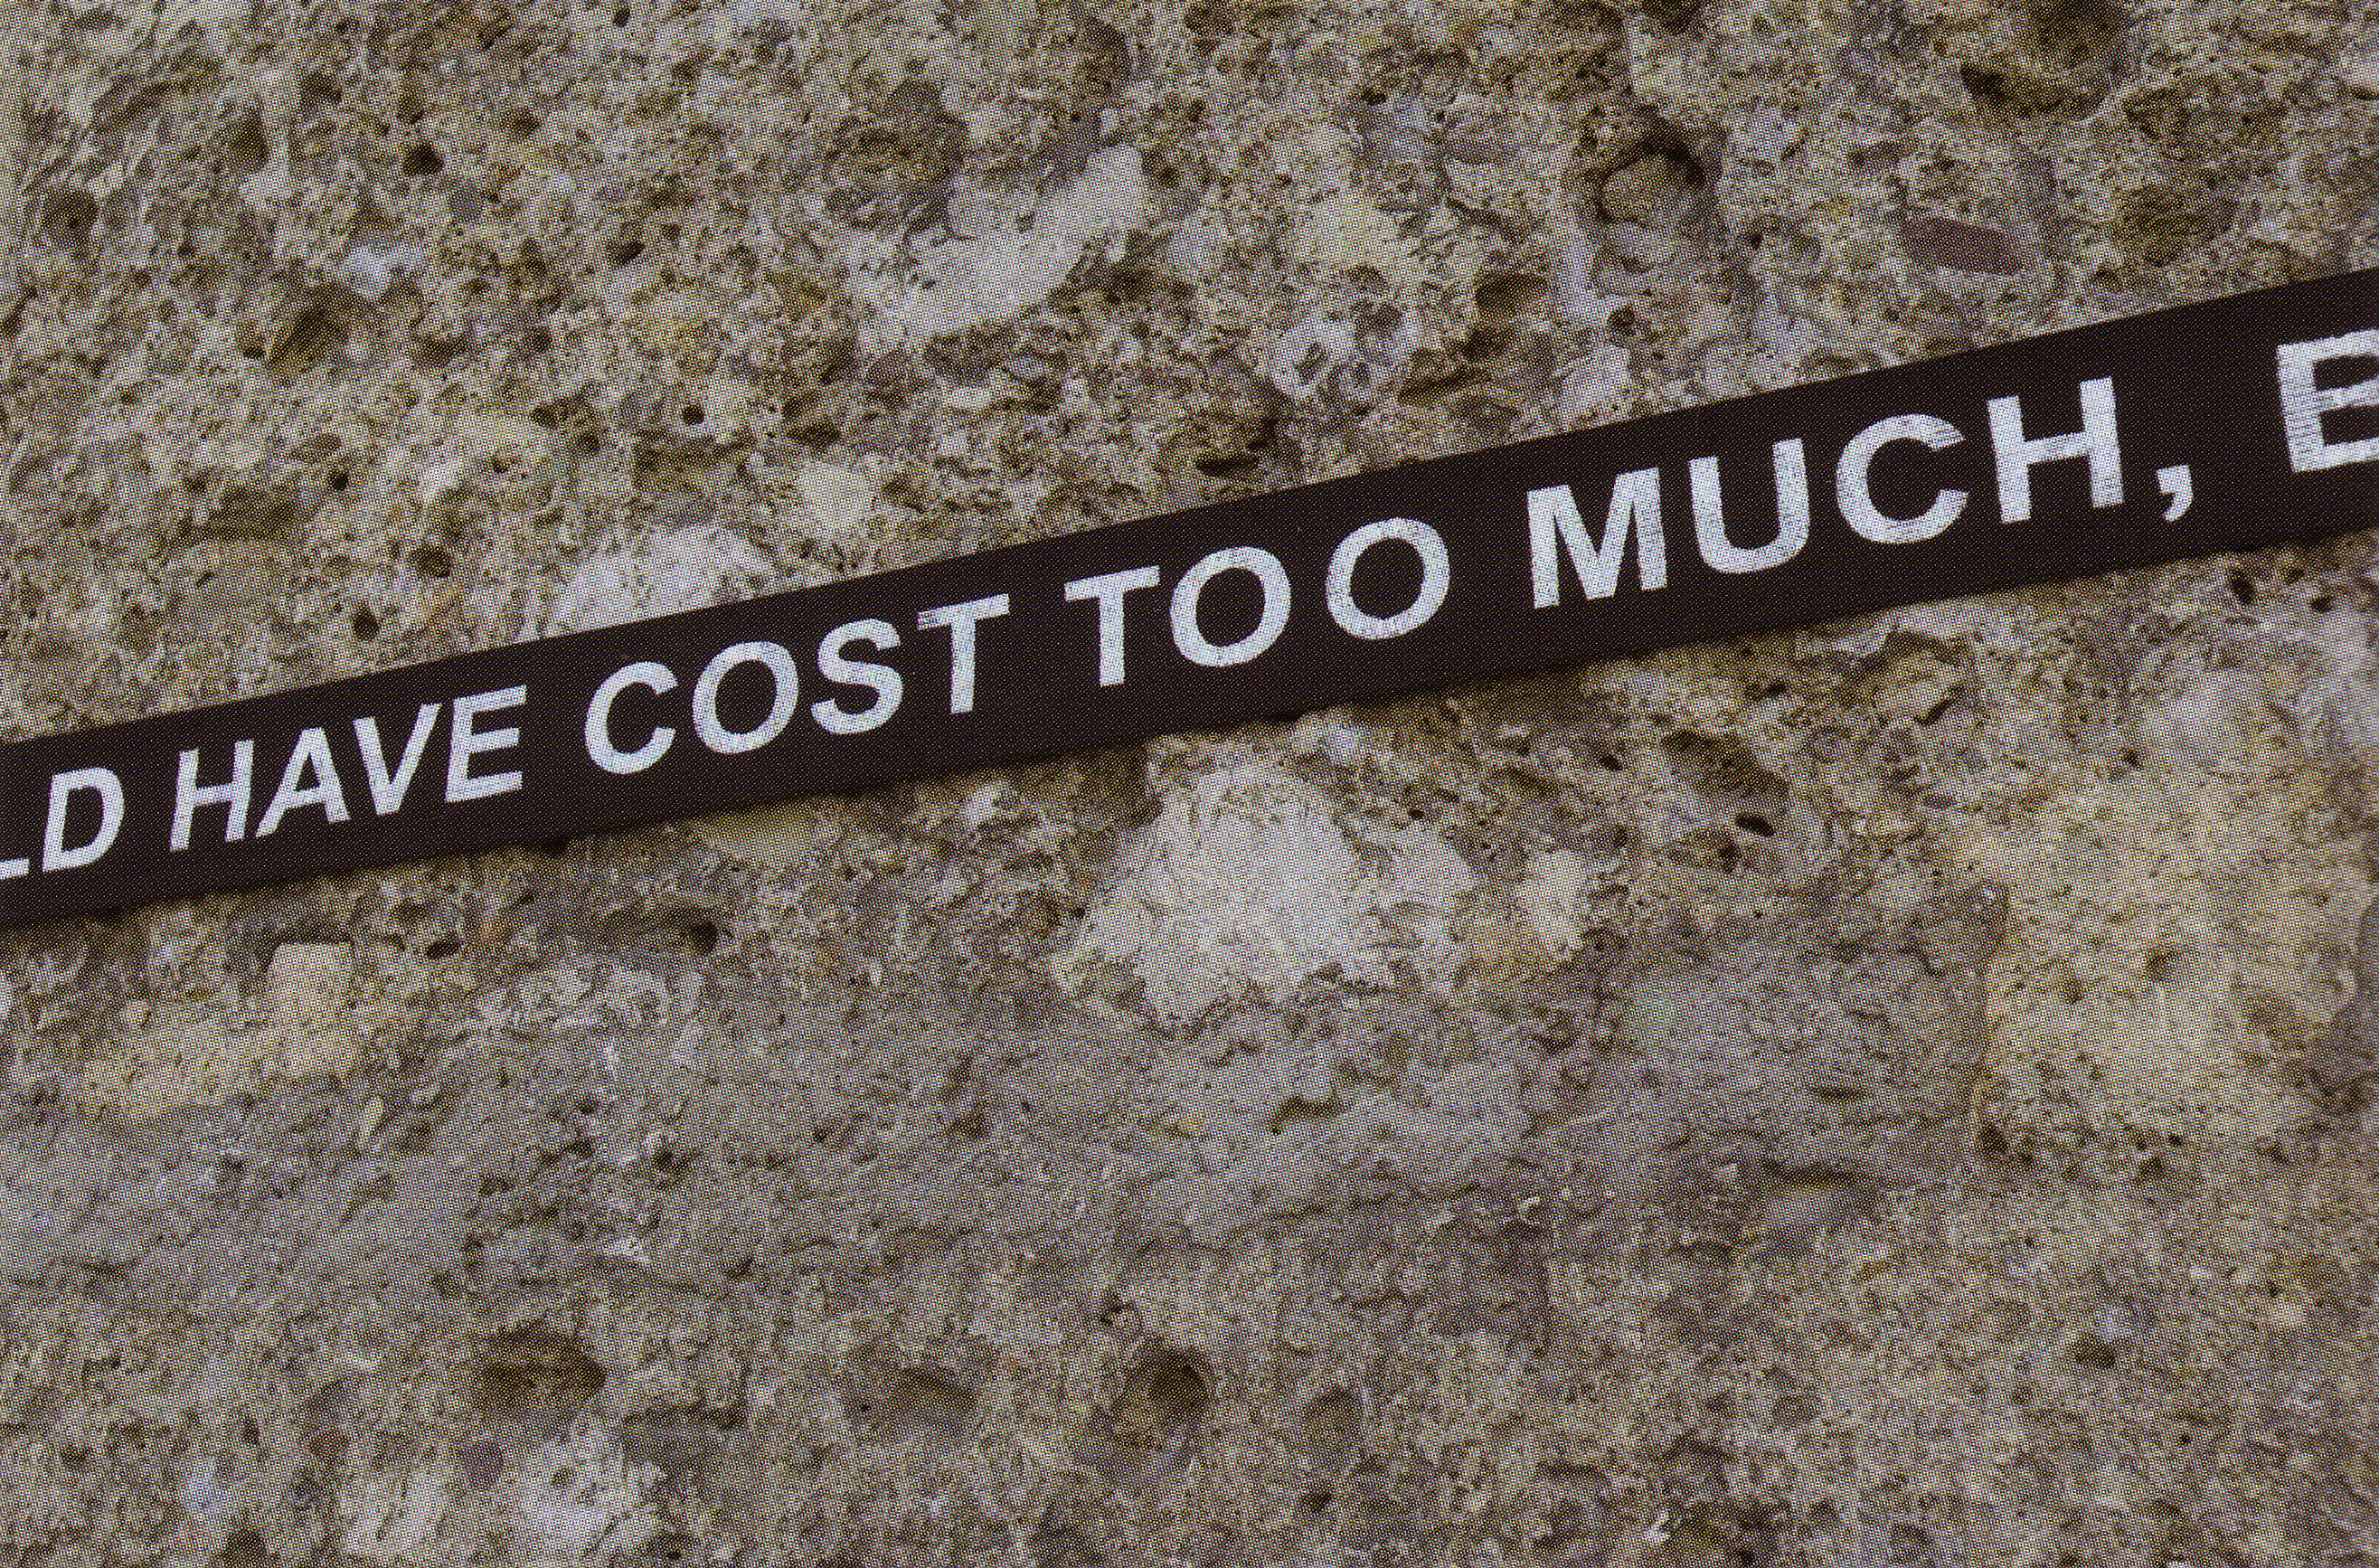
[[1892, 1093]]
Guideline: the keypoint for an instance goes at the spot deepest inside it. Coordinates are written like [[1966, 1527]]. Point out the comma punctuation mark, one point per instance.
[[2175, 482]]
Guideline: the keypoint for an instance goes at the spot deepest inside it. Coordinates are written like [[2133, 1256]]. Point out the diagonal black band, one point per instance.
[[2237, 423]]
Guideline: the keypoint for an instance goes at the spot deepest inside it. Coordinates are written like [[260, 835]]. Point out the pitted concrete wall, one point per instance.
[[1891, 1093]]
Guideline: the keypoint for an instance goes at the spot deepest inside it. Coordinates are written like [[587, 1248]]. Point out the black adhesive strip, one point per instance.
[[2230, 424]]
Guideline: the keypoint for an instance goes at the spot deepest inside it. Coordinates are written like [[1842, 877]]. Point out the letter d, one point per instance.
[[101, 781]]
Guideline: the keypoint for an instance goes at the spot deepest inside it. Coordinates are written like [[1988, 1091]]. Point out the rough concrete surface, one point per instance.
[[1892, 1093]]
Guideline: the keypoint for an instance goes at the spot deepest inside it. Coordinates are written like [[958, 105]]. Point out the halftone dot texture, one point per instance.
[[1891, 1095]]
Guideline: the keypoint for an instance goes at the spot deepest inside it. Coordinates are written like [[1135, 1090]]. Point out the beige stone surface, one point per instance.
[[1896, 1093]]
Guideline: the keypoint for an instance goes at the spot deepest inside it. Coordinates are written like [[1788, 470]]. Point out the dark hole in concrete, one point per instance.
[[478, 1462], [244, 1548], [1506, 293], [535, 1376]]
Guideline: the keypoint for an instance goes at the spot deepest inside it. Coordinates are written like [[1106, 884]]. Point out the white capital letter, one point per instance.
[[55, 855], [2303, 403], [1792, 513], [388, 794], [1109, 591], [961, 619], [1270, 575], [311, 754], [188, 797], [655, 678], [1555, 530], [1850, 481], [784, 696], [836, 666], [2095, 441], [1436, 574], [465, 743]]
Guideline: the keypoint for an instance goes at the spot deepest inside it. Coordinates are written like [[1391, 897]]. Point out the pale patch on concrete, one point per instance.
[[1595, 388], [310, 981], [1541, 923], [1347, 231], [2213, 723], [963, 284], [1551, 891], [270, 184], [508, 437], [204, 1495], [776, 835], [1307, 353], [1320, 356], [394, 1515], [839, 499], [370, 273], [1422, 872], [160, 1070], [1437, 1148], [307, 1026], [1247, 885], [571, 1501], [2160, 949], [685, 569], [1000, 26], [218, 18], [576, 1500]]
